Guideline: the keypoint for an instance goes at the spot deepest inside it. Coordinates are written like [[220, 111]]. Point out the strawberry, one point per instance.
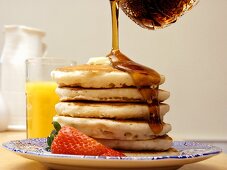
[[111, 152], [68, 140]]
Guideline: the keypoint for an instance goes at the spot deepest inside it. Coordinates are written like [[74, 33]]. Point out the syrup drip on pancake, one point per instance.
[[141, 75]]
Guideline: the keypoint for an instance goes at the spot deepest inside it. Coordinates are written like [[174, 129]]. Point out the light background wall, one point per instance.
[[192, 53]]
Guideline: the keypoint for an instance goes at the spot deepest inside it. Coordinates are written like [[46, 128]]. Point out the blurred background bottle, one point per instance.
[[20, 43]]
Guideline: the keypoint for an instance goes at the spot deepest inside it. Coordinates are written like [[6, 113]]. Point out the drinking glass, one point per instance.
[[40, 95]]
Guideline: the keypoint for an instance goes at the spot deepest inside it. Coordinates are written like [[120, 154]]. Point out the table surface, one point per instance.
[[11, 161]]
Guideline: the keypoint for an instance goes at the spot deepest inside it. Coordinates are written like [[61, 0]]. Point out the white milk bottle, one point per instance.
[[20, 43]]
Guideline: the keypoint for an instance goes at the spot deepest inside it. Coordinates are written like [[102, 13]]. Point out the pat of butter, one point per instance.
[[98, 61]]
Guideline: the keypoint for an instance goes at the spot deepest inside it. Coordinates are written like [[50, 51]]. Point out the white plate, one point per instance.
[[189, 152]]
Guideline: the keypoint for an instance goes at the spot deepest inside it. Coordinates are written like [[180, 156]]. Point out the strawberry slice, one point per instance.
[[68, 140]]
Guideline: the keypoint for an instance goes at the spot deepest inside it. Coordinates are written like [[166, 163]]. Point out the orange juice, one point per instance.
[[41, 100]]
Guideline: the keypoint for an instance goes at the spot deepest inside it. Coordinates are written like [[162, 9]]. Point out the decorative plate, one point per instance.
[[188, 152]]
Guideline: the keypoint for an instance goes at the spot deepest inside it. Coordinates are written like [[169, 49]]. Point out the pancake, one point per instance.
[[161, 143], [170, 152], [107, 110], [106, 95], [112, 129], [93, 76]]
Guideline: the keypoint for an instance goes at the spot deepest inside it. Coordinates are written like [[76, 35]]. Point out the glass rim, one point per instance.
[[49, 60]]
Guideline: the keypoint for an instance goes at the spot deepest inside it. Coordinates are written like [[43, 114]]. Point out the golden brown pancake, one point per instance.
[[112, 129], [106, 95], [93, 76], [169, 152], [123, 111], [160, 143]]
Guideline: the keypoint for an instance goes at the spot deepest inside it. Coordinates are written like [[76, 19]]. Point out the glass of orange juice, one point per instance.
[[40, 95]]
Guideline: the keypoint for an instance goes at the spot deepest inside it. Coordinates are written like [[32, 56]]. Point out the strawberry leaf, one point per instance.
[[54, 132], [49, 141], [52, 135], [57, 126]]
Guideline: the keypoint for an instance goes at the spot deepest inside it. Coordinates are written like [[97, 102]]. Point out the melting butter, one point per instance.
[[99, 61]]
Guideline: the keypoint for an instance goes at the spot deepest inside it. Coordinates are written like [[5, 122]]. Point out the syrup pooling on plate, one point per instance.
[[141, 75]]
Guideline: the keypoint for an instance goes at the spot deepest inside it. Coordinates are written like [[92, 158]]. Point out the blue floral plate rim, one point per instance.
[[187, 150]]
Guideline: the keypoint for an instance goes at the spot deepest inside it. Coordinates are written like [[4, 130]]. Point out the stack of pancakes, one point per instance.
[[104, 103]]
